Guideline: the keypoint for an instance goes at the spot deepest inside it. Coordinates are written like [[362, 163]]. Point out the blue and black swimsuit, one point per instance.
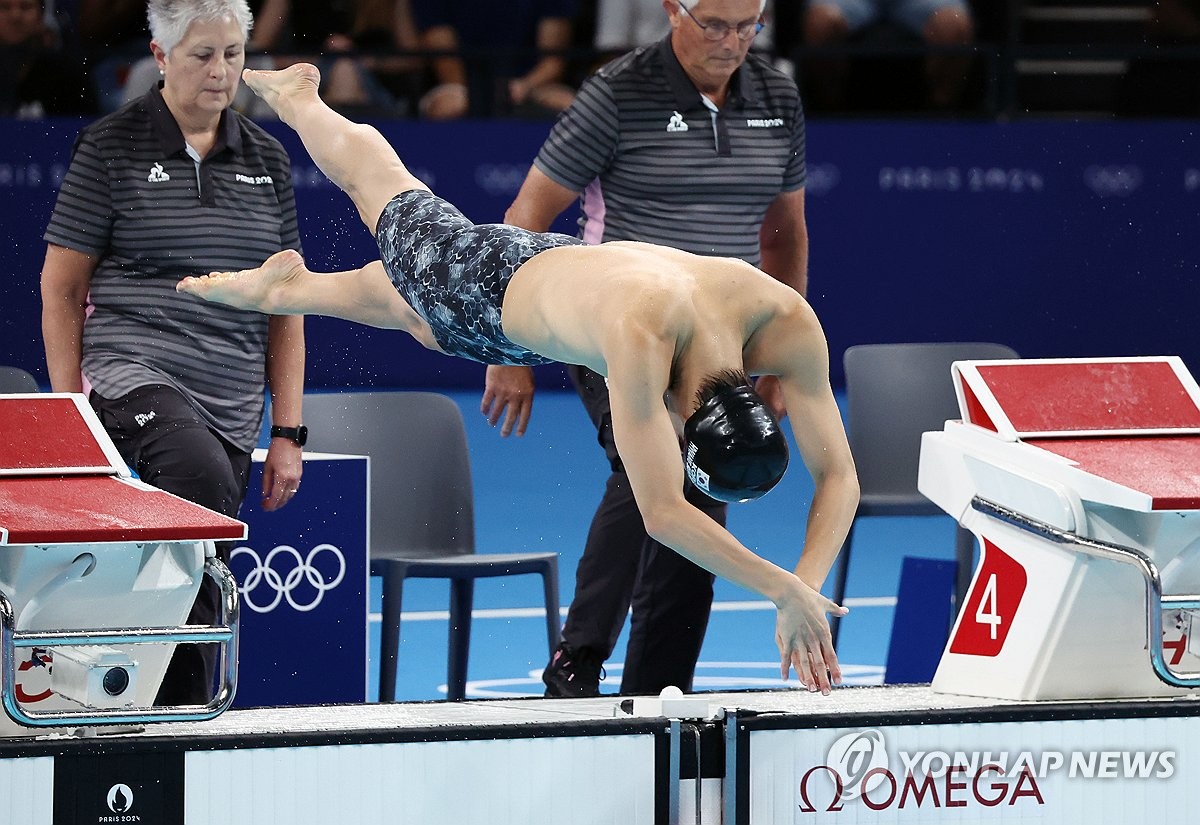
[[454, 272]]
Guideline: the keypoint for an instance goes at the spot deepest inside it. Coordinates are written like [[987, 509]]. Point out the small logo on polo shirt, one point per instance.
[[157, 175], [764, 122], [254, 180], [676, 123]]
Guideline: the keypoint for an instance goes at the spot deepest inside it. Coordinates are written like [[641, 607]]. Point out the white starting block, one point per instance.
[[98, 572], [1081, 480]]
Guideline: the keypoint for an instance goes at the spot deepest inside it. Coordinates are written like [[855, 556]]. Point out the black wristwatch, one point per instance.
[[297, 434]]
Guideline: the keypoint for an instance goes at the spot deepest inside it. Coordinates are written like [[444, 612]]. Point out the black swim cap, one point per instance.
[[734, 450]]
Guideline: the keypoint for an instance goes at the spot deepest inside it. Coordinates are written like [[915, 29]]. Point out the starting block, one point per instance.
[[1081, 480], [98, 572]]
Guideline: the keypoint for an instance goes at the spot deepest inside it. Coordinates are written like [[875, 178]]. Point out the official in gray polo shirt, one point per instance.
[[695, 143], [174, 183]]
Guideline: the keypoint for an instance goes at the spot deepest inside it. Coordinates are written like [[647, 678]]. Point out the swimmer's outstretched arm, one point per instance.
[[793, 349], [795, 352], [283, 285], [638, 374]]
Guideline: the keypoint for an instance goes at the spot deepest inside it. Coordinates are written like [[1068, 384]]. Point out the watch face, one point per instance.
[[302, 435]]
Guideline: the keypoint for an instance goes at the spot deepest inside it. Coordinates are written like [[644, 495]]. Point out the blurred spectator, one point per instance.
[[1166, 84], [786, 19], [496, 58], [326, 32], [994, 20], [1175, 22], [936, 22], [270, 20], [113, 35], [385, 27], [624, 24], [61, 17], [36, 77], [113, 24], [338, 36]]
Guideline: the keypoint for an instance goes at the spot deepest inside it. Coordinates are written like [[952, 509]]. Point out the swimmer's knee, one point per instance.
[[419, 328]]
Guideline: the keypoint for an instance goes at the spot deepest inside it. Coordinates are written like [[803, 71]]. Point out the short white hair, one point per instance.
[[169, 19], [691, 4]]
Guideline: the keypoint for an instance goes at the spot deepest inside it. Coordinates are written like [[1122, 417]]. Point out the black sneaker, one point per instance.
[[573, 673]]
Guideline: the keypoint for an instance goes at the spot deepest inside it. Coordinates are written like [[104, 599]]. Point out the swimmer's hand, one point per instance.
[[802, 635], [508, 391]]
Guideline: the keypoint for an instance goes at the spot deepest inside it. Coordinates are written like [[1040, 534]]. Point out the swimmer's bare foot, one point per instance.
[[283, 88], [264, 288]]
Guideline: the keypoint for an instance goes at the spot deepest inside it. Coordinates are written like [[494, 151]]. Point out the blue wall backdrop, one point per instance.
[[1058, 238]]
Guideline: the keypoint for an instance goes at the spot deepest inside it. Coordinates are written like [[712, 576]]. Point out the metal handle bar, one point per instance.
[[225, 634], [1156, 602]]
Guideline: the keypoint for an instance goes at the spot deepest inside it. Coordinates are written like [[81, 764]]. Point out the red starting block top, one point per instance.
[[1134, 422], [1165, 468], [87, 509], [63, 482], [54, 433], [1077, 397]]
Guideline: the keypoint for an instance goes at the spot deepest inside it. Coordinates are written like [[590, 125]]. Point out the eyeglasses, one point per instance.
[[719, 29]]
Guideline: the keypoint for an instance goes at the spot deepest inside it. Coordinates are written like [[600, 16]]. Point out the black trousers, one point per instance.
[[622, 567], [160, 435]]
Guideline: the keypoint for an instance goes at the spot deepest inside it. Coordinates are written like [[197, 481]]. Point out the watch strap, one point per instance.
[[299, 435]]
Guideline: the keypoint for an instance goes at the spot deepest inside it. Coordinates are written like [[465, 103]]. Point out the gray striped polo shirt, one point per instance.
[[655, 162], [135, 198]]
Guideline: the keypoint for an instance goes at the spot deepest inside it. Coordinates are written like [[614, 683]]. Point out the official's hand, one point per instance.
[[281, 473], [805, 644], [508, 392]]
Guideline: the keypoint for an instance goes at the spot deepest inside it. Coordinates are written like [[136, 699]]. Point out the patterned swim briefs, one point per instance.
[[454, 272]]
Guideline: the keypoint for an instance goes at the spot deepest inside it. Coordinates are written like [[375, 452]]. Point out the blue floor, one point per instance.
[[539, 492]]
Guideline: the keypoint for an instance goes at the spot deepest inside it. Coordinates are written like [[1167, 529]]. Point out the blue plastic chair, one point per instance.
[[894, 393], [17, 380], [422, 512]]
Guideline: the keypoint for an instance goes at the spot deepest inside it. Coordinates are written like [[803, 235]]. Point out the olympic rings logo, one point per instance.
[[302, 569]]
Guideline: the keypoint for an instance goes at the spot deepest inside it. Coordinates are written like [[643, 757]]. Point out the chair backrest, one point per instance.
[[421, 496], [895, 392], [15, 379]]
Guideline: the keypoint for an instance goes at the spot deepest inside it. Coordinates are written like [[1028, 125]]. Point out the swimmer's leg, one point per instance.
[[353, 155], [283, 285]]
